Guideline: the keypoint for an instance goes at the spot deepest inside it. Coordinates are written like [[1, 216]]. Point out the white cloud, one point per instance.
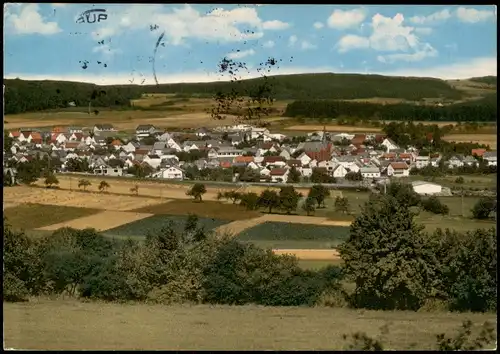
[[460, 70], [423, 30], [426, 51], [241, 54], [352, 41], [389, 35], [305, 45], [470, 15], [268, 44], [25, 19], [185, 22], [346, 19], [318, 25], [275, 25], [292, 40], [433, 18]]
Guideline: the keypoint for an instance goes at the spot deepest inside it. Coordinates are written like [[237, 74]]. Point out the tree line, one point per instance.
[[392, 263], [482, 110], [31, 96]]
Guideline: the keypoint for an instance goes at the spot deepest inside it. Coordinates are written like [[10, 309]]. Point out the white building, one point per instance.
[[370, 172], [108, 171], [422, 161], [426, 188], [398, 169], [170, 173]]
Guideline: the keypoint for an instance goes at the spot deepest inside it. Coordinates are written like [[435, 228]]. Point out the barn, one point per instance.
[[426, 188]]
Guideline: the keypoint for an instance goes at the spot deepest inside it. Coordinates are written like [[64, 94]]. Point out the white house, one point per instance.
[[426, 188], [170, 173], [256, 133], [286, 154], [108, 171], [224, 152], [422, 161], [491, 157], [144, 130], [279, 175], [398, 169], [339, 171], [252, 165], [103, 128], [152, 160], [389, 145], [455, 161], [172, 144], [370, 172], [304, 159], [306, 171]]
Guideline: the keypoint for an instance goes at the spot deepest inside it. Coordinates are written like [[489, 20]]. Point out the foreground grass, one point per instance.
[[32, 216], [73, 325]]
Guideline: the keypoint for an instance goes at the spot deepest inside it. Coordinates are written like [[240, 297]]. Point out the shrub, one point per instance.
[[459, 180], [434, 205], [483, 208], [243, 273]]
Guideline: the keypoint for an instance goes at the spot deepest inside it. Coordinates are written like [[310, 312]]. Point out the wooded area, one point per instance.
[[482, 110], [28, 96]]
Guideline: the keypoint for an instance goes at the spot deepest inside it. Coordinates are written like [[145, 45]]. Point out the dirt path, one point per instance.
[[235, 227], [101, 222], [299, 219], [310, 254]]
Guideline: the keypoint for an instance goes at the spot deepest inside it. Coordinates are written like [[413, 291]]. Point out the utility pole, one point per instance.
[[462, 206]]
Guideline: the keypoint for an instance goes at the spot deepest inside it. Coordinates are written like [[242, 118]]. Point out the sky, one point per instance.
[[49, 42]]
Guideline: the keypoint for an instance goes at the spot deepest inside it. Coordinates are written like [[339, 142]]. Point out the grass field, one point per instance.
[[487, 139], [206, 209], [318, 264], [74, 325], [32, 216], [470, 181], [140, 228], [278, 235]]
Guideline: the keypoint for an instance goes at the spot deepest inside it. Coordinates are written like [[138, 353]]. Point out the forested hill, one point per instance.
[[25, 96], [490, 80]]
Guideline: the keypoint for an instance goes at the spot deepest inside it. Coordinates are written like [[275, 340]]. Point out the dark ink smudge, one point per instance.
[[154, 55]]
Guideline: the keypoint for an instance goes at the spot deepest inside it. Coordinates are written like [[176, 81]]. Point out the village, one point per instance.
[[265, 156]]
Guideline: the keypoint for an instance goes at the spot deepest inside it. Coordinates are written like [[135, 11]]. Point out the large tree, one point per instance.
[[289, 199], [269, 199], [388, 258], [319, 193]]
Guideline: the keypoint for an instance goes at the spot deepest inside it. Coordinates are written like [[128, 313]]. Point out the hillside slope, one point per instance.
[[28, 96]]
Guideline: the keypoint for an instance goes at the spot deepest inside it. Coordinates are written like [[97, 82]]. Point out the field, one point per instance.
[[487, 139], [278, 235], [32, 216], [161, 110], [73, 325], [207, 209], [140, 228]]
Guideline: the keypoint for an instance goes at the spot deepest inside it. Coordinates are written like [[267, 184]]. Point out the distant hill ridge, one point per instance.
[[25, 96]]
